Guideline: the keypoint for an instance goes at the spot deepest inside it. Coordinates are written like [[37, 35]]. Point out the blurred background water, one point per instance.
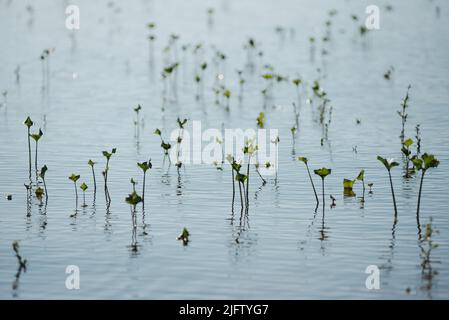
[[282, 248]]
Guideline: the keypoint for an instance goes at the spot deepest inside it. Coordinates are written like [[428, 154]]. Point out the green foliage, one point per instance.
[[426, 162], [133, 198], [361, 176], [39, 192], [36, 136], [157, 132], [83, 186], [91, 163], [303, 159], [323, 172], [348, 184], [296, 82], [181, 123], [145, 165], [108, 155], [43, 171], [28, 122], [260, 120], [388, 163], [74, 177]]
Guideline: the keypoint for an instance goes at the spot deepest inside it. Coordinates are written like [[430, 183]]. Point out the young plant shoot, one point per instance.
[[42, 175], [28, 122], [305, 161], [108, 156], [323, 173], [144, 166], [389, 164], [75, 178], [84, 187], [92, 164], [423, 164], [36, 137]]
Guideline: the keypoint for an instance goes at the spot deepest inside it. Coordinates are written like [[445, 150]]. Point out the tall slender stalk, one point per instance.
[[313, 185], [420, 191], [392, 193]]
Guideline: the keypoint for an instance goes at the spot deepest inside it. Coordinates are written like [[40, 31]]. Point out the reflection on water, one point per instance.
[[276, 241]]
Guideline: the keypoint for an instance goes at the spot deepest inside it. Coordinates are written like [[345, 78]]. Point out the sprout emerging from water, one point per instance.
[[36, 137], [164, 145], [403, 113], [250, 149], [84, 187], [407, 152], [92, 164], [28, 122], [42, 175], [184, 236], [75, 178], [260, 120], [108, 156], [305, 161], [144, 166], [389, 164], [423, 164], [361, 177], [347, 187], [323, 173], [227, 95]]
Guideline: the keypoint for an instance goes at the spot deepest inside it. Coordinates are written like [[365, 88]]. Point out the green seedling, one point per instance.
[[28, 122], [407, 152], [42, 175], [232, 163], [184, 236], [418, 139], [333, 204], [305, 161], [165, 146], [361, 177], [426, 162], [145, 166], [403, 113], [84, 187], [75, 178], [134, 183], [249, 149], [36, 137], [227, 95], [323, 173], [347, 187], [108, 156], [260, 120], [92, 164], [370, 186], [39, 193], [389, 164], [257, 166]]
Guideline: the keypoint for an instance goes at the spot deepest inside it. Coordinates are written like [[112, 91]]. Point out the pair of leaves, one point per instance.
[[426, 161], [36, 136], [388, 163], [91, 163], [260, 120], [145, 165], [74, 177], [28, 122], [83, 186], [303, 159], [108, 155], [181, 123], [323, 172], [133, 198]]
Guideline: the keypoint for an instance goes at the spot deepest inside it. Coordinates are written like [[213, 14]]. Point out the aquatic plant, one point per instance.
[[42, 175], [22, 264], [28, 122], [184, 236], [297, 82], [232, 162], [227, 95], [181, 124], [260, 120], [361, 177], [84, 187], [39, 192], [164, 145], [92, 164], [418, 139], [370, 186], [257, 165], [75, 178], [137, 121], [389, 164], [305, 161], [407, 152], [423, 164], [108, 156], [144, 166], [403, 113], [249, 149], [36, 137], [323, 173], [347, 187]]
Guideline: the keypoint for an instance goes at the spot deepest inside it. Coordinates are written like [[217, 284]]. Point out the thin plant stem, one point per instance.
[[29, 153], [392, 192], [233, 186], [35, 160], [76, 195], [313, 185], [95, 181], [143, 190], [420, 191], [46, 193]]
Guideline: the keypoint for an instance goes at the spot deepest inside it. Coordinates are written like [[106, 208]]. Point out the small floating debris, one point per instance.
[[9, 197]]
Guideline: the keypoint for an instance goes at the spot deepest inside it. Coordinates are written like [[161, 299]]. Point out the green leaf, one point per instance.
[[133, 198], [28, 122], [388, 163], [227, 93], [157, 132], [145, 165], [348, 184], [303, 159], [83, 186], [323, 172], [39, 192], [408, 143], [240, 177], [91, 163], [296, 82], [430, 161], [74, 177], [361, 175], [260, 120]]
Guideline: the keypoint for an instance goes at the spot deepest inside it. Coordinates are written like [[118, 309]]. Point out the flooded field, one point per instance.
[[224, 65]]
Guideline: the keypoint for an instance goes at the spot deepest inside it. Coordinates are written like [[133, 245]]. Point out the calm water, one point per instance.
[[285, 249]]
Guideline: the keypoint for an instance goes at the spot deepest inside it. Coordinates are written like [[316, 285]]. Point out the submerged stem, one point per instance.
[[420, 191], [313, 185]]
